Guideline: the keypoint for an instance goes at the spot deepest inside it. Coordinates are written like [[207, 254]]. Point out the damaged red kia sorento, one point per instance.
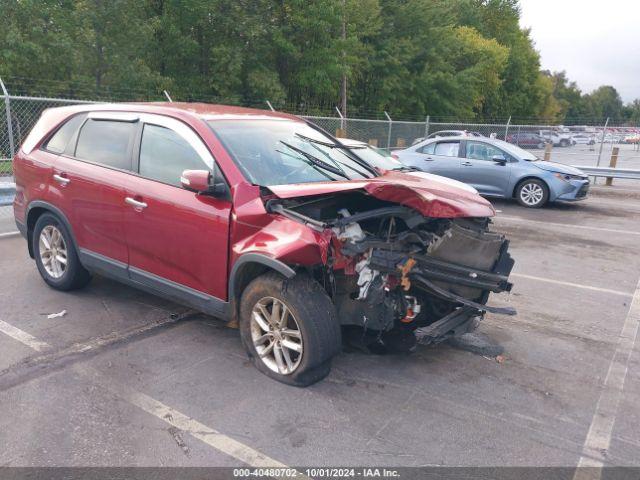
[[259, 218]]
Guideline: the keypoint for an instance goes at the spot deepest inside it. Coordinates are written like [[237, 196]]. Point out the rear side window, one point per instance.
[[164, 155], [106, 142], [59, 141], [447, 149], [429, 149]]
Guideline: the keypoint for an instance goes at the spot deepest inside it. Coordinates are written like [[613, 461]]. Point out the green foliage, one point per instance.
[[445, 58]]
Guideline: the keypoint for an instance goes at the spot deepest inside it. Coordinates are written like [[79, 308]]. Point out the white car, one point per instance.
[[558, 139], [583, 139], [381, 159]]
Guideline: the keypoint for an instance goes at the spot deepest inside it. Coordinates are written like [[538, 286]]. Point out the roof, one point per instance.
[[204, 111]]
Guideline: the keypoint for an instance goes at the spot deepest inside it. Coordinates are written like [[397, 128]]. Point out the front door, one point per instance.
[[478, 169], [178, 239]]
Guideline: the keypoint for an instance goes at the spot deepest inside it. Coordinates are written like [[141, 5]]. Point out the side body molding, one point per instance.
[[247, 259], [53, 209]]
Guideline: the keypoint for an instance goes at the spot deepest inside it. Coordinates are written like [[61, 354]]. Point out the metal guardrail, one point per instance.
[[609, 172], [7, 192]]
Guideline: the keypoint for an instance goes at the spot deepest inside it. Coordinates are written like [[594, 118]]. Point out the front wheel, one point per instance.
[[532, 193], [289, 328]]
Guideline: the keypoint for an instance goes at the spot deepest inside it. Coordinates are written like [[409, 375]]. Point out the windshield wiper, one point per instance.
[[405, 168], [315, 161], [319, 142], [372, 171]]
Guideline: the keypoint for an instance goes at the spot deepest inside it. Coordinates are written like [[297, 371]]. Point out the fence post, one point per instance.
[[7, 107], [389, 134], [604, 132], [426, 127], [342, 131], [612, 163], [506, 130], [547, 151]]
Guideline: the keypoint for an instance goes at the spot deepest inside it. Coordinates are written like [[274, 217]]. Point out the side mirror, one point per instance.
[[203, 181], [499, 159], [196, 180]]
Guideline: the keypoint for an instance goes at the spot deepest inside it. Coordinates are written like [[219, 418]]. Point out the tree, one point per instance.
[[605, 102]]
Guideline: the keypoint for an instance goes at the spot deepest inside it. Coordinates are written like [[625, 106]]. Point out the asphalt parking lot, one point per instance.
[[128, 379]]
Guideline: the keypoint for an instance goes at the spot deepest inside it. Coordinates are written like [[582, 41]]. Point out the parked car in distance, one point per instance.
[[448, 133], [498, 169], [383, 160], [454, 133], [558, 139], [261, 219], [583, 139], [527, 140]]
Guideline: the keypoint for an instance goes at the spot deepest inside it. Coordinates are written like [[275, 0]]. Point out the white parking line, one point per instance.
[[9, 234], [23, 337], [566, 225], [574, 285], [598, 438], [208, 435]]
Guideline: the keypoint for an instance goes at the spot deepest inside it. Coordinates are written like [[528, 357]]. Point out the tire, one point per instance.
[[57, 274], [540, 146], [311, 314], [564, 143], [532, 193]]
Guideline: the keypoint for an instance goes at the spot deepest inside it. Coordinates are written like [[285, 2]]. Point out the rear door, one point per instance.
[[445, 159], [89, 185], [479, 170], [178, 239]]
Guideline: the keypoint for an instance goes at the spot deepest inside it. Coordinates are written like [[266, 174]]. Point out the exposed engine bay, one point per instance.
[[396, 276]]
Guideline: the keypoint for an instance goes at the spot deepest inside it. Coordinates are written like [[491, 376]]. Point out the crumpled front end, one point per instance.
[[396, 275]]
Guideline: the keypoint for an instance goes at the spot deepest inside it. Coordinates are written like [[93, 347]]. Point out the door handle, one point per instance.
[[467, 164], [429, 159], [135, 203], [61, 179]]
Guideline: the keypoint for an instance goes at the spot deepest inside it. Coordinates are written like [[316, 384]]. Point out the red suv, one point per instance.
[[261, 219]]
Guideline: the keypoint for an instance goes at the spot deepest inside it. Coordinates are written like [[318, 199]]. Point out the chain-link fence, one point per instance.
[[573, 145]]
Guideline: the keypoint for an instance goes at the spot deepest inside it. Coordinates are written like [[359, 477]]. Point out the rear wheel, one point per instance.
[[540, 146], [289, 328], [56, 256], [532, 193]]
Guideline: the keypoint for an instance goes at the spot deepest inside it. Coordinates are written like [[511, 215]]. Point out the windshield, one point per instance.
[[376, 157], [281, 152], [516, 151]]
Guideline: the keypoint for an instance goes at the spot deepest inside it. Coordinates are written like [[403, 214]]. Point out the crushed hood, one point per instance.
[[430, 198]]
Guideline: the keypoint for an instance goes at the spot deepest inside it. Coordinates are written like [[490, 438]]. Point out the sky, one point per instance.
[[596, 43]]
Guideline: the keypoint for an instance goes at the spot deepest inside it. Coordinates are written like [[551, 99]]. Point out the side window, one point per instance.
[[428, 149], [447, 149], [58, 142], [164, 155], [107, 142], [482, 151]]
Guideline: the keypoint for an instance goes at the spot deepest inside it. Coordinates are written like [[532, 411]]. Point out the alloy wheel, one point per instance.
[[53, 251], [531, 194], [276, 335]]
